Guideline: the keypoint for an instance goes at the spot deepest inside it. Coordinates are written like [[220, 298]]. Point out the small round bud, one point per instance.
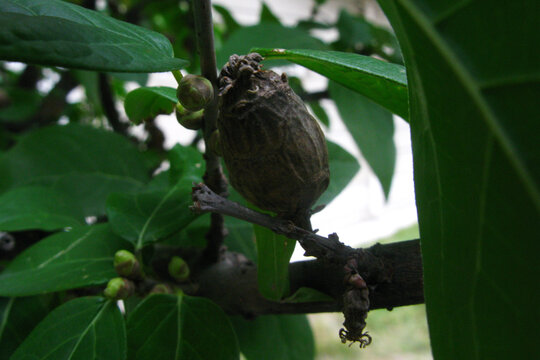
[[127, 265], [189, 119], [195, 92], [119, 288], [178, 269], [161, 289]]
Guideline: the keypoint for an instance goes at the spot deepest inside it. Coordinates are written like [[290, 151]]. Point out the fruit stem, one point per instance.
[[177, 75]]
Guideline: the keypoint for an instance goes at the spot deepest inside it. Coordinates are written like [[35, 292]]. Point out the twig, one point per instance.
[[213, 176], [109, 107], [330, 248]]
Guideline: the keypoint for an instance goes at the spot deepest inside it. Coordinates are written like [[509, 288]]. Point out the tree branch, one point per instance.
[[109, 107], [232, 282], [213, 176]]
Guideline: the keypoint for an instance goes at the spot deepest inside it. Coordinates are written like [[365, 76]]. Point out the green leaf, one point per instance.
[[267, 16], [180, 327], [228, 19], [80, 257], [45, 155], [475, 127], [18, 316], [266, 35], [36, 207], [305, 294], [372, 128], [148, 102], [57, 33], [381, 82], [343, 168], [151, 214], [186, 162], [84, 328], [269, 337], [319, 112], [273, 255], [22, 103]]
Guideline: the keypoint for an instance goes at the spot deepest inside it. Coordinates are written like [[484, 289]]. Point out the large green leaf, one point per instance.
[[80, 257], [37, 207], [381, 82], [180, 327], [266, 35], [84, 328], [473, 71], [151, 214], [372, 128], [46, 154], [18, 316], [269, 337], [343, 167], [273, 255], [57, 33], [148, 102]]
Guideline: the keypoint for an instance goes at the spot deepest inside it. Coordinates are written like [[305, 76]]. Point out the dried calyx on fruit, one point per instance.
[[273, 148]]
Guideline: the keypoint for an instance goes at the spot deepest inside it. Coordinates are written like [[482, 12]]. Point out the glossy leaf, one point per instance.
[[474, 124], [151, 214], [45, 155], [343, 168], [273, 255], [36, 207], [84, 328], [148, 102], [80, 257], [57, 33], [372, 128], [180, 327], [18, 316], [269, 337], [186, 162], [381, 82], [266, 35]]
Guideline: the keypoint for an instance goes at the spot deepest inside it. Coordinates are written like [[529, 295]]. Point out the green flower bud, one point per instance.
[[195, 92], [178, 269], [127, 265], [119, 288], [161, 289], [189, 119]]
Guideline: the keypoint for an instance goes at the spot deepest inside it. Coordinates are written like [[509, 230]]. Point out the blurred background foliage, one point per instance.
[[33, 96]]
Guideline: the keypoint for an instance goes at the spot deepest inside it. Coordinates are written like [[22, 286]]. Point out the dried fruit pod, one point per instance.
[[273, 148]]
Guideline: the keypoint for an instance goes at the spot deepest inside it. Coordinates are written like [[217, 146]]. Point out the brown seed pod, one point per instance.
[[273, 148]]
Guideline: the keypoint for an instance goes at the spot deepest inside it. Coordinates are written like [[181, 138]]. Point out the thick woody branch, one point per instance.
[[232, 282]]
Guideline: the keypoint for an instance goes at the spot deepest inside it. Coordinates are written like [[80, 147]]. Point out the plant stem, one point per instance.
[[213, 177], [177, 75]]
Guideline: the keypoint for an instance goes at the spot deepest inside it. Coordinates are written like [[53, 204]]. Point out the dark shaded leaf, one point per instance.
[[37, 207], [305, 294], [475, 127], [84, 328], [372, 128], [80, 257], [18, 316], [266, 35], [151, 214], [57, 33], [46, 154], [269, 337], [381, 82], [180, 327]]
